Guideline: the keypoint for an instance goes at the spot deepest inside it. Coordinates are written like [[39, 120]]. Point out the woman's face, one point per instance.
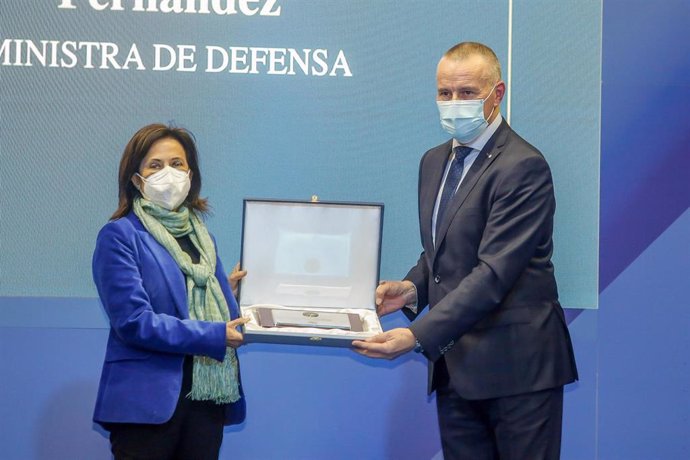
[[164, 152]]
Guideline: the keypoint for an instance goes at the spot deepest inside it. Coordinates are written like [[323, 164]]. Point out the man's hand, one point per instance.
[[235, 277], [233, 337], [388, 345], [393, 295]]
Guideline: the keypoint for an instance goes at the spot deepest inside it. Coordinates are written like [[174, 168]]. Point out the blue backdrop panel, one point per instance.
[[644, 402], [48, 386], [645, 133], [352, 126], [580, 431], [556, 104], [328, 403], [643, 360]]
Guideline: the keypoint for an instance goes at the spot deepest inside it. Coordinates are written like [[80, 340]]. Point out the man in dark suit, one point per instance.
[[495, 335]]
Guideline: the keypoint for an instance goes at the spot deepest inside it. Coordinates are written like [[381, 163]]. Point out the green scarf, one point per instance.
[[212, 380]]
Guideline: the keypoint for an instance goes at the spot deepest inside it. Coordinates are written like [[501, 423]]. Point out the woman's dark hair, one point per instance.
[[135, 151]]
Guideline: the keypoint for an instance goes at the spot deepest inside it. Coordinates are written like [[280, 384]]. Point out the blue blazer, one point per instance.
[[489, 282], [144, 294]]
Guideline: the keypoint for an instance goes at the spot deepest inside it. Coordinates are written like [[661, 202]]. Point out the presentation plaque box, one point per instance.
[[312, 271]]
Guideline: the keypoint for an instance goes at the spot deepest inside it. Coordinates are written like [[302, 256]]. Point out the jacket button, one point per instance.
[[437, 279]]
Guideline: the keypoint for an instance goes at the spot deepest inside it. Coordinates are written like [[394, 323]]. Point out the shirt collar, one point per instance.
[[480, 141]]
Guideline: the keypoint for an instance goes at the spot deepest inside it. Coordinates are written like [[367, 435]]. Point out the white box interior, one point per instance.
[[370, 323], [316, 256]]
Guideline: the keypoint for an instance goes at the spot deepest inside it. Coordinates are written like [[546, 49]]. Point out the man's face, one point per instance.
[[468, 79]]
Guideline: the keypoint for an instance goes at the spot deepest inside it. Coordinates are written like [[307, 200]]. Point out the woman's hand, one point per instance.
[[233, 337], [235, 277]]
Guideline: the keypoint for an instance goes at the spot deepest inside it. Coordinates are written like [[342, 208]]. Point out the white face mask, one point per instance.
[[167, 188], [464, 120]]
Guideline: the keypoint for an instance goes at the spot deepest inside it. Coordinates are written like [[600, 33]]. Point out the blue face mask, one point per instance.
[[464, 120]]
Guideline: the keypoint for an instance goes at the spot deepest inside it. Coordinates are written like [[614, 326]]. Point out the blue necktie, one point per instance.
[[452, 181]]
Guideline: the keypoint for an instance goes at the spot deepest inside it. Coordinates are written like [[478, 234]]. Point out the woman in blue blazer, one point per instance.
[[170, 379]]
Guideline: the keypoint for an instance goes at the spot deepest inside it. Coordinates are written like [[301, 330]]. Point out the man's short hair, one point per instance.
[[466, 49]]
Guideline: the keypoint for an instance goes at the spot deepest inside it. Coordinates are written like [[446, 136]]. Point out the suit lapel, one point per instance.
[[171, 272], [428, 193], [486, 157]]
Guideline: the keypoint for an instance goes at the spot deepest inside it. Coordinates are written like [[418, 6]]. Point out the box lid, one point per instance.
[[310, 254]]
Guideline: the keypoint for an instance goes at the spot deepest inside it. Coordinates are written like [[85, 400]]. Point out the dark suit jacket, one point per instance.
[[144, 294], [489, 283]]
